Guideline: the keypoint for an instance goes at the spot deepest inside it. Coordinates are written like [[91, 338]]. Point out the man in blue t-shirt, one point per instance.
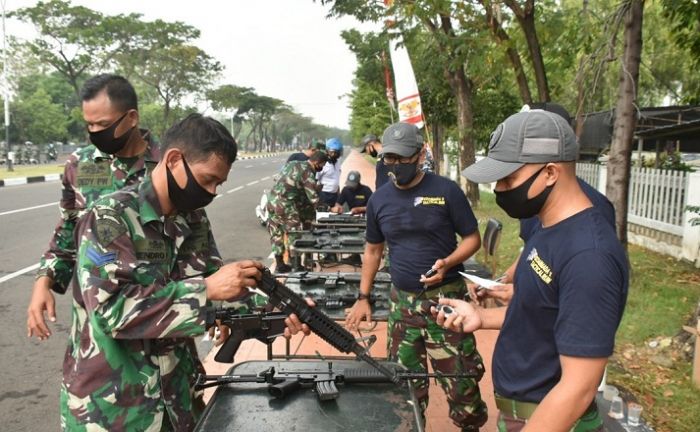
[[572, 279], [354, 194], [419, 216]]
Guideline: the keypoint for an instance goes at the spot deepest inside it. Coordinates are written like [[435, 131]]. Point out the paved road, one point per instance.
[[30, 371]]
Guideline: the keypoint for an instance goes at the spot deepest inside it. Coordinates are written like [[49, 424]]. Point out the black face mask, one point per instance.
[[192, 196], [403, 173], [516, 203], [106, 142]]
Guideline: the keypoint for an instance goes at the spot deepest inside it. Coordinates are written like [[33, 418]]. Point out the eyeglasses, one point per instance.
[[393, 159]]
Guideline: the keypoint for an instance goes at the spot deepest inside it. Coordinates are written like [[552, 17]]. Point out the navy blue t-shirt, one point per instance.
[[601, 202], [419, 226], [355, 197], [297, 157], [381, 172], [571, 281]]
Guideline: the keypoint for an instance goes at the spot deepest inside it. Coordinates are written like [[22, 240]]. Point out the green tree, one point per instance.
[[36, 118]]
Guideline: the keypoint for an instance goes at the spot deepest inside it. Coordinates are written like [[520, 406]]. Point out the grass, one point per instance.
[[663, 295], [30, 170]]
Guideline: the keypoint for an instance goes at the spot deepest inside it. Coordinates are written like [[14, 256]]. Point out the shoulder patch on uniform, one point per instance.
[[108, 226], [100, 259]]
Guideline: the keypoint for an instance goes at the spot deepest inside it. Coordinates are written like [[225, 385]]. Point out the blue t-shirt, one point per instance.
[[571, 287], [297, 157], [530, 225], [355, 197], [419, 226], [381, 174]]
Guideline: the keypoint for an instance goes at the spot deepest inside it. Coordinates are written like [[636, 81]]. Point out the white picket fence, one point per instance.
[[656, 212]]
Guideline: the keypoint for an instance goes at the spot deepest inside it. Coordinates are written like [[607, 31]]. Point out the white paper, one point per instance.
[[486, 283]]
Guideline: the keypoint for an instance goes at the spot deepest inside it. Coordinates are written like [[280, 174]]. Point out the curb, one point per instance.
[[16, 181]]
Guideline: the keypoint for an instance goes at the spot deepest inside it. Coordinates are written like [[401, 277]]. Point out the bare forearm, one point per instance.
[[370, 265], [466, 248], [492, 318]]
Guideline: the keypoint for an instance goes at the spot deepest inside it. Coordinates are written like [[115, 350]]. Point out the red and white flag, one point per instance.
[[407, 95]]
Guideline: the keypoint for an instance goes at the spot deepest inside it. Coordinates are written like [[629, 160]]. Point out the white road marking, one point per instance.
[[19, 273], [248, 166], [27, 209], [265, 178], [235, 189], [252, 183]]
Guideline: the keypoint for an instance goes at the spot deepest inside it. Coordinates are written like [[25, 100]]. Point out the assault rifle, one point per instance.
[[332, 279], [328, 243], [333, 333], [334, 232], [285, 382], [334, 302], [263, 326], [343, 219]]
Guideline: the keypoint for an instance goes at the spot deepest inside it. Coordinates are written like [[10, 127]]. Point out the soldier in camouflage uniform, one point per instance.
[[121, 154], [292, 203], [419, 216], [146, 268]]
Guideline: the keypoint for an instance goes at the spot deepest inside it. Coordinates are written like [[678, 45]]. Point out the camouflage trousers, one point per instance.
[[279, 227], [414, 338], [589, 422]]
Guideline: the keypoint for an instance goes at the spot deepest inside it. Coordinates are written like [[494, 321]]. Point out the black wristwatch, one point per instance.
[[361, 296]]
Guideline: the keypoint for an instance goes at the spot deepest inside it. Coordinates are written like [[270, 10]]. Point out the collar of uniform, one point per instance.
[[176, 227], [150, 157], [149, 206]]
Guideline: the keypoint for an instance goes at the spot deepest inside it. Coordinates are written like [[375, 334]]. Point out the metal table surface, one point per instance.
[[380, 407]]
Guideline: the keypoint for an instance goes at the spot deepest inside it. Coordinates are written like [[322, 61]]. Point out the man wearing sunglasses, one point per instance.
[[419, 216]]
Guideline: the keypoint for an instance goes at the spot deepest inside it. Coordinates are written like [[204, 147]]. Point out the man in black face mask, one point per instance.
[[419, 216], [121, 154], [570, 282], [372, 146]]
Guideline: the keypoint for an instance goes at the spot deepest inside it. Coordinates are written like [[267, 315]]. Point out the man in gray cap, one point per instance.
[[570, 282], [354, 194], [419, 216]]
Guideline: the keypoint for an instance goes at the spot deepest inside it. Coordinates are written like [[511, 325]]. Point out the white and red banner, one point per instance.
[[407, 96]]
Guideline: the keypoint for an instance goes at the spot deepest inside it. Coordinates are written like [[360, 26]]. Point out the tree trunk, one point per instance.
[[437, 147], [503, 39], [526, 19], [617, 188], [462, 89]]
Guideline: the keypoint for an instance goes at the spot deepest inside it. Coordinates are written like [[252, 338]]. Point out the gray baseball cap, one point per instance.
[[353, 179], [403, 139], [529, 137], [366, 140]]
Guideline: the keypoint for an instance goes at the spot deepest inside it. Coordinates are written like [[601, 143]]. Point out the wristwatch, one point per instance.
[[361, 296]]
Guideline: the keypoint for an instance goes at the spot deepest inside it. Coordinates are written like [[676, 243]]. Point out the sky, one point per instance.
[[285, 49]]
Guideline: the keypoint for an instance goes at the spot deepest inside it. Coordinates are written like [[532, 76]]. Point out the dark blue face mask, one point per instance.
[[193, 196], [516, 203]]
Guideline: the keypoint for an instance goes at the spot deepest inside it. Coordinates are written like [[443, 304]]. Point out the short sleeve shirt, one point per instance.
[[419, 225], [572, 281], [355, 197]]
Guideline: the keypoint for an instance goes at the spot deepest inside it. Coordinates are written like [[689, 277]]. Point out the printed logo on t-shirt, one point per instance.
[[359, 197], [428, 201], [539, 266]]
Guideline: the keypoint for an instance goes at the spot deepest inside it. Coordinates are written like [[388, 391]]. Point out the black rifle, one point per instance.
[[263, 326], [328, 243], [334, 302], [340, 219], [285, 382], [332, 278], [336, 231], [333, 333]]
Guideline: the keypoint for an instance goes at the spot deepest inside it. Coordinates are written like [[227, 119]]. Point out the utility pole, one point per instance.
[[6, 91]]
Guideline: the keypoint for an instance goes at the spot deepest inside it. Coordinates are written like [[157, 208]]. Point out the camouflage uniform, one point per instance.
[[292, 202], [88, 175], [414, 337], [138, 298]]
